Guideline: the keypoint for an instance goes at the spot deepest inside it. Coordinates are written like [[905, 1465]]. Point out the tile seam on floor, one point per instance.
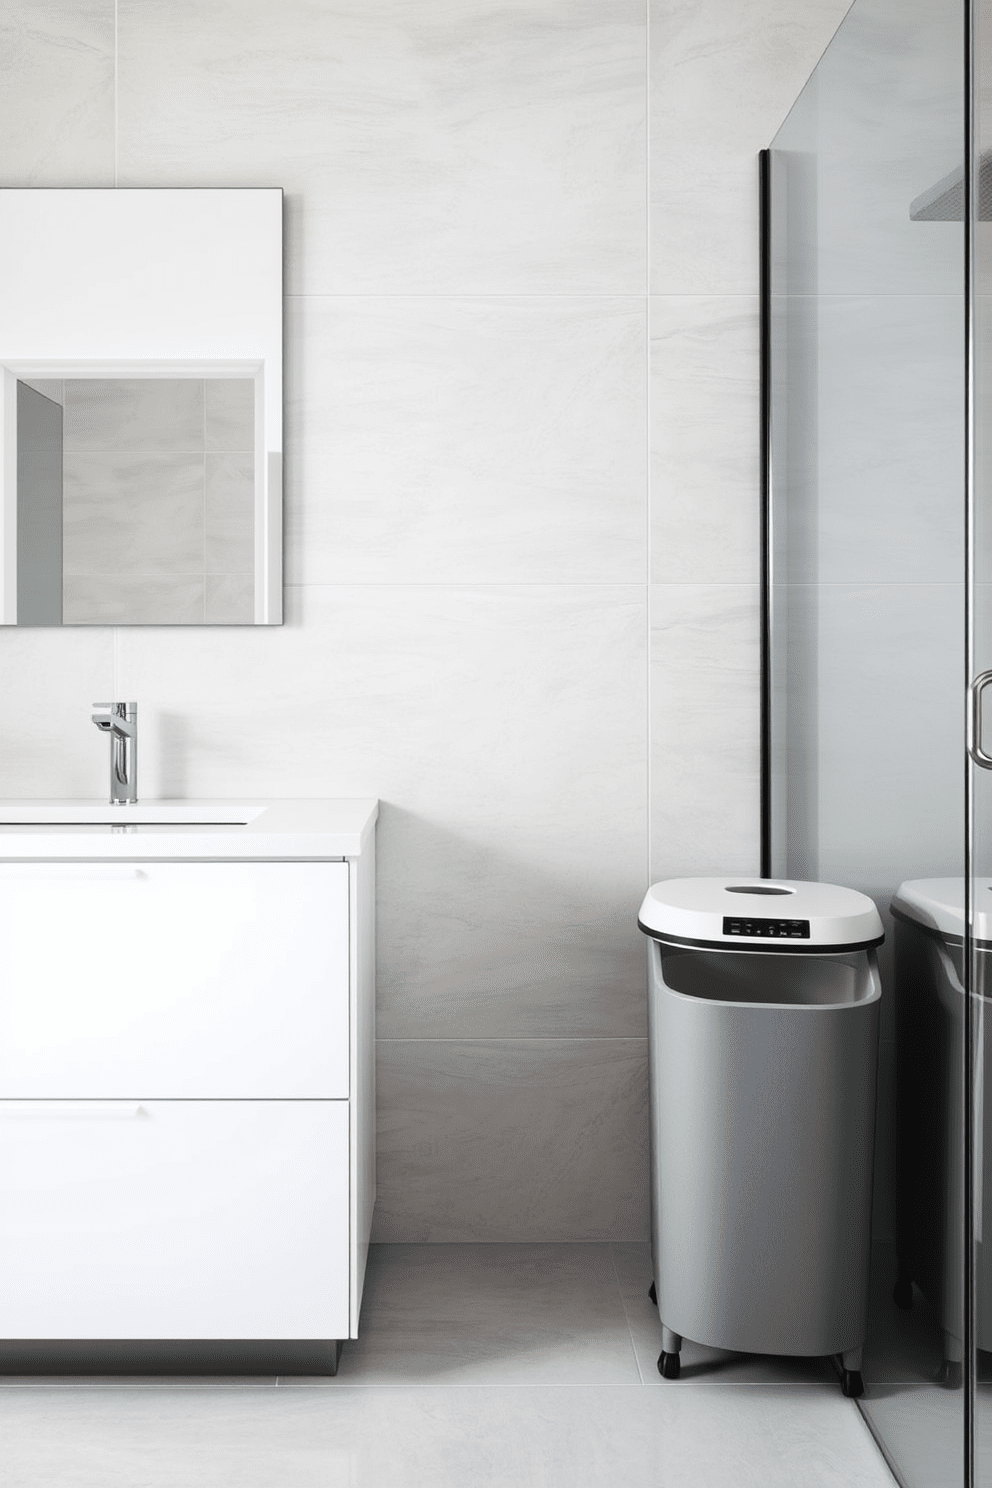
[[626, 1314]]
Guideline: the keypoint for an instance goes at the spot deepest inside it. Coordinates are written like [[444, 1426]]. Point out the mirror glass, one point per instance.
[[141, 364]]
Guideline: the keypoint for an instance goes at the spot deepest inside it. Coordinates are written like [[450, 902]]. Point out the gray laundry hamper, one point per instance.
[[763, 1002]]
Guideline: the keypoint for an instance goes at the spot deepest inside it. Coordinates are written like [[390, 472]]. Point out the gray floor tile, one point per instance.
[[57, 1383], [491, 1314], [335, 1436], [922, 1428], [903, 1347], [699, 1363], [437, 1319]]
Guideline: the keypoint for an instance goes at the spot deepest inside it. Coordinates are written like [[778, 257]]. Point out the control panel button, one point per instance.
[[755, 929]]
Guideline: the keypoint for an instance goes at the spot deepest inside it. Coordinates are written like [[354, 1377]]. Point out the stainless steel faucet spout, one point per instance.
[[120, 721]]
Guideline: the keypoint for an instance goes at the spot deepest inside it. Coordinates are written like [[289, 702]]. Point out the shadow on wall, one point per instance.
[[484, 937], [511, 1060]]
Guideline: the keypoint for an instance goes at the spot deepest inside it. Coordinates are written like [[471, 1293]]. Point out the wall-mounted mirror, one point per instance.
[[141, 407]]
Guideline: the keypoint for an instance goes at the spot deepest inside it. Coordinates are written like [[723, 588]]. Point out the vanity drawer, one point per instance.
[[174, 980], [174, 1219]]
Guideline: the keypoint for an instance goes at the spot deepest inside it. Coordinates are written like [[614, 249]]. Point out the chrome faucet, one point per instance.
[[121, 723]]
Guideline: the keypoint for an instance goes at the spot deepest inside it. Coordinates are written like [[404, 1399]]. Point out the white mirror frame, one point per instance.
[[145, 283]]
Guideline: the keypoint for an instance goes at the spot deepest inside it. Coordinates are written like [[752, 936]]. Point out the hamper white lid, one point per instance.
[[781, 914], [938, 904]]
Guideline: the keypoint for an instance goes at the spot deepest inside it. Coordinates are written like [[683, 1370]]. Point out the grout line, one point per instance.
[[526, 1038], [486, 295], [648, 506], [472, 584], [620, 294], [203, 513], [116, 4], [206, 1384], [626, 1315]]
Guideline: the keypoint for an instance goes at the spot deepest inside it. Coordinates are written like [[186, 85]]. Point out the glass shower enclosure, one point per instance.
[[877, 657]]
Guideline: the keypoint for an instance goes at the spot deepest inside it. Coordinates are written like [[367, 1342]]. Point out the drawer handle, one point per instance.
[[81, 1110]]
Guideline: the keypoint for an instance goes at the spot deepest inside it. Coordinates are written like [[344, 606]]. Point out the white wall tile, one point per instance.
[[57, 93], [453, 440], [504, 728], [505, 929], [890, 439], [524, 1139], [456, 147], [440, 445], [887, 124], [705, 420], [890, 732], [51, 679], [704, 730], [723, 77], [458, 700]]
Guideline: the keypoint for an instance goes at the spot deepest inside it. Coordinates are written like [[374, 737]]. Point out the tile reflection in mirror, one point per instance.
[[157, 497]]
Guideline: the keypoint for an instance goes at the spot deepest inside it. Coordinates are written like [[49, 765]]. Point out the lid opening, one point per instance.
[[756, 889]]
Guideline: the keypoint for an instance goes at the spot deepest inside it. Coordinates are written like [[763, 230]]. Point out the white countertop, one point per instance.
[[219, 829]]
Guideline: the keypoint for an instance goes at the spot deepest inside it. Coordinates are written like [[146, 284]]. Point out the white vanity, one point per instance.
[[187, 1083]]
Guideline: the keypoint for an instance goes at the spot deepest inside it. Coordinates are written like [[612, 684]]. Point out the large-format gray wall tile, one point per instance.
[[133, 514], [462, 149], [704, 439], [229, 599], [704, 730], [161, 414], [119, 599], [723, 77], [229, 414], [466, 440], [516, 1140], [229, 514], [57, 93], [49, 387]]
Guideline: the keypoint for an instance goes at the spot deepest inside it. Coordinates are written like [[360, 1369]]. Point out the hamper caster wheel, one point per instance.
[[852, 1384], [668, 1366], [902, 1294], [653, 1294]]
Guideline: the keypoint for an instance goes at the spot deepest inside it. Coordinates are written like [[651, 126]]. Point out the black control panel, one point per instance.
[[750, 929]]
